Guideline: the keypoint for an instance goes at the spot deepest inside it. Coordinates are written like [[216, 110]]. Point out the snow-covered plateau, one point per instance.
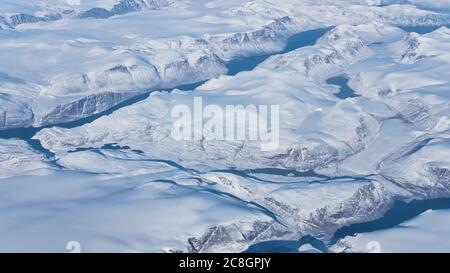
[[87, 153]]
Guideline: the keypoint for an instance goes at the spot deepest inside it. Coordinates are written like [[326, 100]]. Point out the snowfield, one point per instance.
[[412, 236], [86, 94]]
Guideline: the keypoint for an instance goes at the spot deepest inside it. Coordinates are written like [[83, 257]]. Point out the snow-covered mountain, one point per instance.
[[86, 98], [127, 58], [48, 11]]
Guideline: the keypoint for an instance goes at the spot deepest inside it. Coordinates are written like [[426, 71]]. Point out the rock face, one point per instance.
[[84, 107], [269, 38], [19, 19], [123, 7], [99, 13], [14, 113]]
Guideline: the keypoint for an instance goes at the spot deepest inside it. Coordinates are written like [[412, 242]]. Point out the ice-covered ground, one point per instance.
[[120, 182], [425, 233], [82, 65]]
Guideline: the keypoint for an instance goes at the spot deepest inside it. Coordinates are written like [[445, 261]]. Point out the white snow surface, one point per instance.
[[427, 233], [121, 183], [149, 45]]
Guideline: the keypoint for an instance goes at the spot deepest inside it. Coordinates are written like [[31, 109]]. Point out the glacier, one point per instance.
[[86, 93]]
